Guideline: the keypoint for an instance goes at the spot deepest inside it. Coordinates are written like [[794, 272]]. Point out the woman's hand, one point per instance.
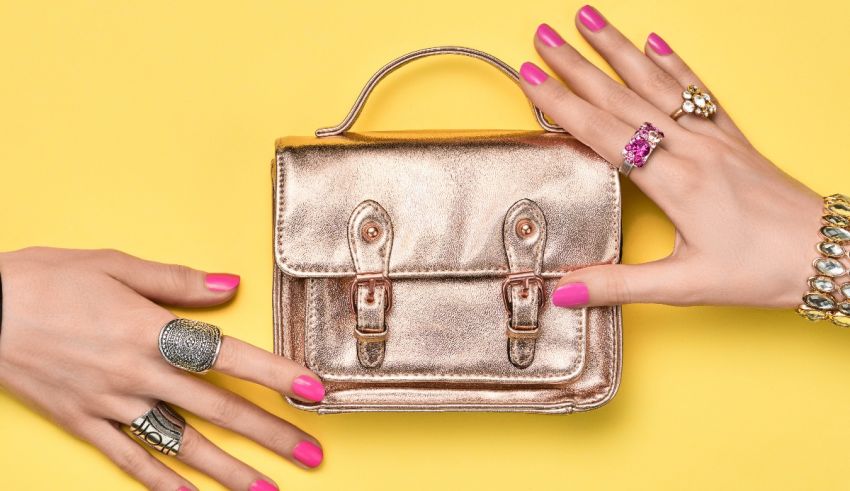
[[746, 231], [79, 342]]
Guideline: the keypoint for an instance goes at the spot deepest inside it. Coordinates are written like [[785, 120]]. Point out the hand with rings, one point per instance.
[[745, 230], [85, 342]]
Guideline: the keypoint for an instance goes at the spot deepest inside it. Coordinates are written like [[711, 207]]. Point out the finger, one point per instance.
[[171, 284], [662, 179], [198, 452], [596, 87], [232, 411], [248, 362], [202, 454], [639, 72], [662, 55], [133, 458], [661, 282]]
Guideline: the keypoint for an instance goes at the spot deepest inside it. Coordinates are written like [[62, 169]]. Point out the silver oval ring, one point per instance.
[[161, 428], [695, 101], [189, 344]]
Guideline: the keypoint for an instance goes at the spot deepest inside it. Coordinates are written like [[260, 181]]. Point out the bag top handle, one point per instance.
[[349, 120]]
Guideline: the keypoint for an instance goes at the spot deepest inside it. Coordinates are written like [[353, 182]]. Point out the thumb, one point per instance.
[[170, 284], [616, 284]]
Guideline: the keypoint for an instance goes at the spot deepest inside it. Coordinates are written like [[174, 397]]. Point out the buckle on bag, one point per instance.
[[525, 278], [370, 336], [371, 279], [521, 332]]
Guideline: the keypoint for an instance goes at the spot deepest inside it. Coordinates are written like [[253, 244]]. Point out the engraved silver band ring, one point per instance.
[[189, 344], [161, 428]]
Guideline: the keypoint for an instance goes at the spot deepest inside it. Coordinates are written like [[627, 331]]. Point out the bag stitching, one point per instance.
[[603, 392]]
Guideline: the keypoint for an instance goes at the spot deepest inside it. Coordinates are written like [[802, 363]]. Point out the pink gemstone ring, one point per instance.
[[640, 147]]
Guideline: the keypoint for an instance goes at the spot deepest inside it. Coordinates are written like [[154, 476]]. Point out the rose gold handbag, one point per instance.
[[413, 269]]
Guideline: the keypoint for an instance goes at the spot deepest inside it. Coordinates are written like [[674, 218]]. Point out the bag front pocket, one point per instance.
[[451, 330]]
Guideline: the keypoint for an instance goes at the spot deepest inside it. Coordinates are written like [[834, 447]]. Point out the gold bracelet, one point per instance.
[[827, 298]]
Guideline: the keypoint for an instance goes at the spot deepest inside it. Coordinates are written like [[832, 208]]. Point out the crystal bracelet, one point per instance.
[[828, 297]]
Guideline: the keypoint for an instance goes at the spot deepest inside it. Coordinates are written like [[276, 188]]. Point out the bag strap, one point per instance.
[[370, 240], [524, 234], [349, 120]]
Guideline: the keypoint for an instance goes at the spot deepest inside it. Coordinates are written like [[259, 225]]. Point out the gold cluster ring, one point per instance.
[[695, 101]]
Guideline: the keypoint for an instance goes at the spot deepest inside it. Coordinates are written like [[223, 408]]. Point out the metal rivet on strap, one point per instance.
[[370, 231], [525, 228]]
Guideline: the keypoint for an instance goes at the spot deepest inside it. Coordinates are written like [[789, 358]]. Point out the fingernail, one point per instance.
[[183, 488], [658, 45], [591, 19], [549, 36], [308, 453], [308, 388], [571, 295], [221, 282], [262, 485], [532, 73]]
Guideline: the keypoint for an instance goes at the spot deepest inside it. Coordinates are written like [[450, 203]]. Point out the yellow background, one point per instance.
[[148, 126]]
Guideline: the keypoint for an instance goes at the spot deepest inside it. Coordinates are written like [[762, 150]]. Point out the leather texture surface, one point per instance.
[[448, 203]]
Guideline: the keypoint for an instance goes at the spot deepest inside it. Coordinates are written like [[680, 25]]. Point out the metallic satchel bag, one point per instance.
[[413, 269]]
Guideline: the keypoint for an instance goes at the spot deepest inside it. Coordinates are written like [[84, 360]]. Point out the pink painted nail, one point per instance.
[[221, 282], [591, 18], [549, 36], [262, 485], [308, 388], [308, 453], [532, 73], [658, 45], [183, 488], [571, 295]]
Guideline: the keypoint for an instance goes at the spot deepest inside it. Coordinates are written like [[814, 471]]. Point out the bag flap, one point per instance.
[[446, 193]]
